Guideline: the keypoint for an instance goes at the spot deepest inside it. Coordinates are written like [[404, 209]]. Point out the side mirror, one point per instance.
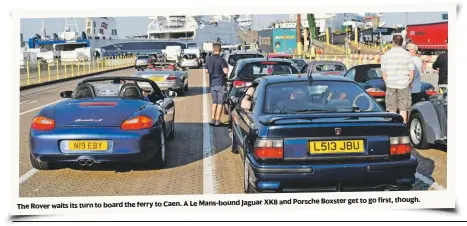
[[66, 94], [172, 93]]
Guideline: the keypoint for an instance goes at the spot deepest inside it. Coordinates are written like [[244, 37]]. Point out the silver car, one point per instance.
[[142, 62], [167, 79]]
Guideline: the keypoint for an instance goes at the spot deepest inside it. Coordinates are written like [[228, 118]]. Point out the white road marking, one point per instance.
[[208, 176], [181, 98], [28, 102], [428, 181], [27, 175], [34, 109]]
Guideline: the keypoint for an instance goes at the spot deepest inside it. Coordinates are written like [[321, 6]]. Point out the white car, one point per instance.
[[190, 61]]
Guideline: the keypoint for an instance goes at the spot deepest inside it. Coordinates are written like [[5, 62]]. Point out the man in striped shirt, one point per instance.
[[398, 74]]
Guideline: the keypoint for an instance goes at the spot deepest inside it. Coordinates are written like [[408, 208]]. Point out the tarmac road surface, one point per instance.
[[198, 161]]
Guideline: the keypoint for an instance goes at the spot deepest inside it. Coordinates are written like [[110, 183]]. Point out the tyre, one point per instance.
[[160, 155], [246, 177], [417, 131], [235, 149], [40, 165], [172, 132]]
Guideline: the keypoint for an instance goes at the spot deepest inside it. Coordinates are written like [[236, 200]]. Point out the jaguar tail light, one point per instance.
[[269, 149], [375, 92], [400, 145], [241, 84], [138, 122], [42, 123], [430, 92]]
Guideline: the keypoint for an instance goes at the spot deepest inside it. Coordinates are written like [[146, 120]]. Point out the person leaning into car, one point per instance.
[[417, 94], [398, 73]]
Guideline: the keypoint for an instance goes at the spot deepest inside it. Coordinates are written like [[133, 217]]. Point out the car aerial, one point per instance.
[[247, 70], [168, 76], [232, 57], [105, 119], [319, 133], [369, 76], [428, 121], [142, 62], [190, 60], [300, 63], [324, 67]]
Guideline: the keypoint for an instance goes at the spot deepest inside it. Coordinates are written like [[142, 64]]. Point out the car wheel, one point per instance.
[[160, 155], [246, 177], [234, 143], [40, 165], [417, 131], [172, 130]]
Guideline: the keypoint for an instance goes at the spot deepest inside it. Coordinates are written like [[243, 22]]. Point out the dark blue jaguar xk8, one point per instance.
[[107, 119], [319, 133]]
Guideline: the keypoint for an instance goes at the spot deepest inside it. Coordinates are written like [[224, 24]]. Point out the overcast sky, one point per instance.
[[128, 26]]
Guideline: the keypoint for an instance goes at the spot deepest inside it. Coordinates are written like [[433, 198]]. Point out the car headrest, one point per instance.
[[84, 90], [131, 90]]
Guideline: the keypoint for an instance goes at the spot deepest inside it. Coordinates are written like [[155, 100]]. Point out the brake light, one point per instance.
[[241, 84], [269, 149], [268, 63], [376, 92], [400, 145], [431, 92], [171, 77], [138, 122], [42, 123]]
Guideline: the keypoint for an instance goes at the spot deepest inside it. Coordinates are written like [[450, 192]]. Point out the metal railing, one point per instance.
[[38, 72]]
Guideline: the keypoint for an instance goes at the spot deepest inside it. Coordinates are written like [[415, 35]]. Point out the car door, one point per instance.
[[243, 117], [167, 106]]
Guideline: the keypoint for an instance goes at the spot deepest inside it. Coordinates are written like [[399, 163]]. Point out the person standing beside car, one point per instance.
[[441, 64], [417, 94], [217, 70], [398, 73]]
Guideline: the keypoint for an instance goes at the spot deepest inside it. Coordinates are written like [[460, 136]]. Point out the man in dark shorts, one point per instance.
[[217, 69]]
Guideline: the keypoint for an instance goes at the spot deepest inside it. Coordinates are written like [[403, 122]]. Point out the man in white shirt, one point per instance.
[[398, 73]]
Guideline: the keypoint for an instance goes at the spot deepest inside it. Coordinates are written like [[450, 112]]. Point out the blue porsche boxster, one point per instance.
[[105, 119], [319, 133]]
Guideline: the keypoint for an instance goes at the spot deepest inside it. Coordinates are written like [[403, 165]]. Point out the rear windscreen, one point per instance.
[[234, 58], [255, 70]]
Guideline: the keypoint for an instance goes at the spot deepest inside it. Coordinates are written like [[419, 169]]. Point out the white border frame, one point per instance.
[[430, 199]]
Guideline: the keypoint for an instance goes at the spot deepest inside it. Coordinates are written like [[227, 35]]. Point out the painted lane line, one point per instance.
[[429, 182], [27, 175], [208, 180], [37, 108], [28, 102]]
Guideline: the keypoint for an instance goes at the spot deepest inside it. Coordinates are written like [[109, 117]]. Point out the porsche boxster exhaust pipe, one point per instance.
[[82, 162], [85, 162], [89, 162]]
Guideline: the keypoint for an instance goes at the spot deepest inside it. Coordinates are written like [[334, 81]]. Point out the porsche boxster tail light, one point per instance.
[[400, 145], [138, 122], [374, 92], [171, 78], [240, 84], [42, 123], [269, 149]]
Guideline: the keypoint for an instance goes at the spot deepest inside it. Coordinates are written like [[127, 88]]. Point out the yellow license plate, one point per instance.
[[336, 146], [158, 79], [88, 145]]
